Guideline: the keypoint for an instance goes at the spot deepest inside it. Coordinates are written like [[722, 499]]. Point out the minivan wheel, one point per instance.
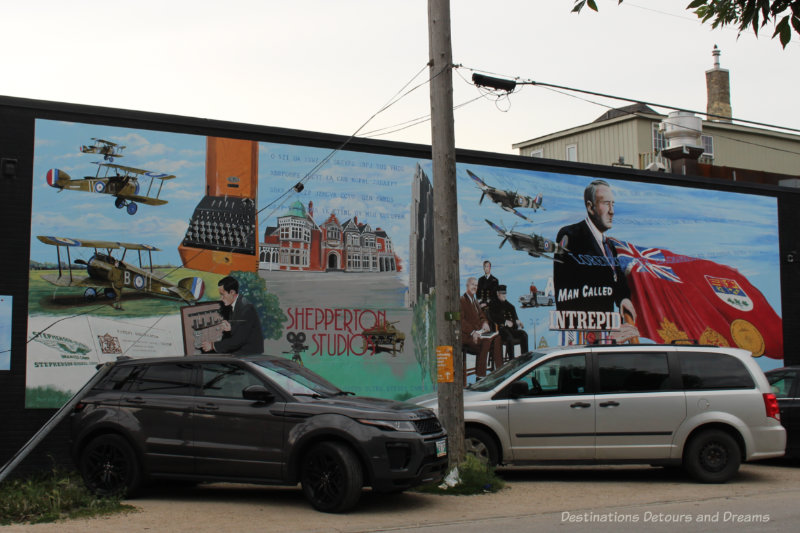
[[331, 477], [109, 466], [480, 444], [712, 456]]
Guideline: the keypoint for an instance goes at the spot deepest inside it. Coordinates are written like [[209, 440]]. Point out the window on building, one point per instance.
[[537, 153], [659, 141], [708, 145], [572, 152]]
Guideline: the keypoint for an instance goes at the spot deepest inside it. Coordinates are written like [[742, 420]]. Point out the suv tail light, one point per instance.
[[771, 403]]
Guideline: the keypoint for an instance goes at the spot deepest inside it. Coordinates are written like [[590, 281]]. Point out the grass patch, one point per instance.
[[475, 477], [52, 496]]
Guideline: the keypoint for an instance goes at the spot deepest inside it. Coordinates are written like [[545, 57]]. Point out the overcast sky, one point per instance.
[[330, 65]]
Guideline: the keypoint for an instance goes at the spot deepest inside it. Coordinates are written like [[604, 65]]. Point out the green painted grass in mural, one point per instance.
[[46, 298], [46, 398]]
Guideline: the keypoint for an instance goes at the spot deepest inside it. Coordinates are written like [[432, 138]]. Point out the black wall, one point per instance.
[[17, 118]]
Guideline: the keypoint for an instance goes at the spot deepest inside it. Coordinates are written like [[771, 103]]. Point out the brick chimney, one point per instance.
[[718, 87]]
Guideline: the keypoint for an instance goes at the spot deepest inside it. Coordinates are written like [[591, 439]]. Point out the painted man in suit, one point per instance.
[[474, 325], [512, 332], [241, 328], [589, 277]]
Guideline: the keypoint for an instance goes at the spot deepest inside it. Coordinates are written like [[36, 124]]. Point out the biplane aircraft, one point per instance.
[[125, 184], [508, 200], [109, 150], [535, 245], [113, 275]]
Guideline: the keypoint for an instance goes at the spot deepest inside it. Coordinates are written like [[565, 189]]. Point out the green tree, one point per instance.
[[254, 289], [755, 14]]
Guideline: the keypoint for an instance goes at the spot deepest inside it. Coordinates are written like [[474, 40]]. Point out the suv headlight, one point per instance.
[[390, 425]]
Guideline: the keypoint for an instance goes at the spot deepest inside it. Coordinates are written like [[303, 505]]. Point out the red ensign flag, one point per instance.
[[682, 297]]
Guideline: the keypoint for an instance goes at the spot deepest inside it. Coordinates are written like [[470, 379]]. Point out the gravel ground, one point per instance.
[[226, 507]]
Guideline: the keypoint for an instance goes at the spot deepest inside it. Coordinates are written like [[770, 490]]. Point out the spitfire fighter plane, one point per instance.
[[124, 183], [109, 150], [114, 275], [534, 245], [508, 200]]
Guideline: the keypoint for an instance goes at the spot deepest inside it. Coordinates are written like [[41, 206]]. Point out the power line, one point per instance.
[[520, 81], [681, 126]]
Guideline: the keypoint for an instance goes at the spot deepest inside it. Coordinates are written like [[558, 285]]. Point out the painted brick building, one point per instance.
[[299, 243]]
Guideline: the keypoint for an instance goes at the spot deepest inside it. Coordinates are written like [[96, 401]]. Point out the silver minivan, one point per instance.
[[705, 408]]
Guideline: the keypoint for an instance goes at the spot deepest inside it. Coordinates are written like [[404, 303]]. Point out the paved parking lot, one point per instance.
[[534, 495]]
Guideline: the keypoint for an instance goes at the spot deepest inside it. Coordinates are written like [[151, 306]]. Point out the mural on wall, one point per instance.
[[335, 252], [6, 305], [628, 261]]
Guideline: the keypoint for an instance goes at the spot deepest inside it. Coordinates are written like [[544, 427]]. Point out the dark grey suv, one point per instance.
[[258, 419]]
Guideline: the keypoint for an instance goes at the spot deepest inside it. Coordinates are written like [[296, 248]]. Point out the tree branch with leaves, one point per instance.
[[745, 14]]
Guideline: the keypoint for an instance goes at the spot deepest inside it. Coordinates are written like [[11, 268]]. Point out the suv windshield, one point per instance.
[[495, 378], [296, 380]]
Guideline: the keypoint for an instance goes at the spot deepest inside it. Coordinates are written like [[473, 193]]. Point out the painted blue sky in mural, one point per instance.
[[90, 216], [738, 230], [734, 229]]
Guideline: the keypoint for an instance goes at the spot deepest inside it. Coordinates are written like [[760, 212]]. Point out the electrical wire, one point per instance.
[[413, 122], [521, 81], [560, 88], [680, 126]]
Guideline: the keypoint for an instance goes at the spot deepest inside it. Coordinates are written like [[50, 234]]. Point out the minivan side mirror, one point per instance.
[[518, 389], [258, 393]]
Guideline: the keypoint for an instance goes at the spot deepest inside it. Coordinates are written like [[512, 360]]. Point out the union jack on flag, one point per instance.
[[634, 258]]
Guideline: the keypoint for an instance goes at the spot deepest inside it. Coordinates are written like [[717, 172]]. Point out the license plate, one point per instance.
[[441, 448]]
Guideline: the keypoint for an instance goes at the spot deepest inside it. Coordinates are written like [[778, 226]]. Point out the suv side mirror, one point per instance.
[[258, 393]]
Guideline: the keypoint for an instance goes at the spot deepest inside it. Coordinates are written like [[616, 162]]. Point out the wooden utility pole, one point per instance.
[[445, 223]]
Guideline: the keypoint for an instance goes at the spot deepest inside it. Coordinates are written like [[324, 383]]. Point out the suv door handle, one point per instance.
[[208, 407], [580, 405], [135, 399], [609, 404]]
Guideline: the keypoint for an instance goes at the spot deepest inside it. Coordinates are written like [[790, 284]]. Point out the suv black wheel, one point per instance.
[[712, 456], [109, 466], [331, 477], [480, 444]]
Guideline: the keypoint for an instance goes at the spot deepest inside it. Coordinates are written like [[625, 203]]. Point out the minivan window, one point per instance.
[[504, 372], [226, 380], [705, 371], [560, 376], [633, 372], [162, 379]]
